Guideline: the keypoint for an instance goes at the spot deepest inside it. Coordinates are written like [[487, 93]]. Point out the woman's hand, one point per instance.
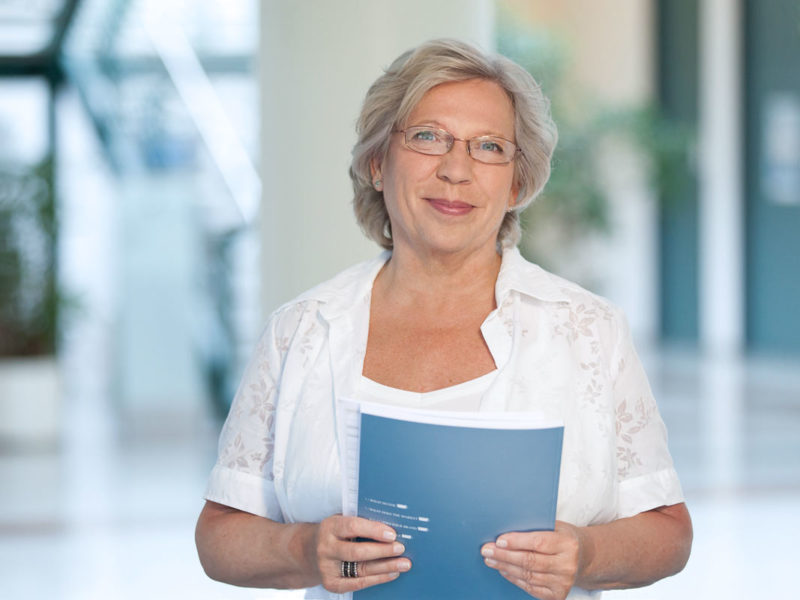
[[378, 560], [545, 564], [243, 549], [629, 552]]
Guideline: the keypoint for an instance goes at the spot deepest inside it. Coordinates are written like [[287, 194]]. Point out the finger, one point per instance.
[[542, 592], [545, 542], [511, 571], [534, 562], [383, 566], [367, 551], [538, 572], [343, 585], [356, 527], [564, 540], [359, 583]]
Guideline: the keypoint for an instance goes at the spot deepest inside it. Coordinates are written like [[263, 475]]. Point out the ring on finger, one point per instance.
[[349, 568]]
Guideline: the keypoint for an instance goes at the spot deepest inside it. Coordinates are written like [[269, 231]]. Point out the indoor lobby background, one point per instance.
[[172, 171]]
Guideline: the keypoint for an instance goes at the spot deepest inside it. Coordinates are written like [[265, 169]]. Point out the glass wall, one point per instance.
[[171, 96]]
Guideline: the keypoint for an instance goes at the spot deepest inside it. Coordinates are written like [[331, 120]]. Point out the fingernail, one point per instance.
[[394, 575], [487, 552], [490, 561], [398, 548], [389, 535], [404, 565], [502, 544]]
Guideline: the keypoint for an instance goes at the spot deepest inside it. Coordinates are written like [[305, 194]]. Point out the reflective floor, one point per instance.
[[111, 514], [735, 437]]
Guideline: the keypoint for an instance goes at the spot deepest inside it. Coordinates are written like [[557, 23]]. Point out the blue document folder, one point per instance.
[[449, 488]]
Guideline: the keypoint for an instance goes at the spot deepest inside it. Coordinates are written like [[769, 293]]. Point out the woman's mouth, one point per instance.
[[450, 207]]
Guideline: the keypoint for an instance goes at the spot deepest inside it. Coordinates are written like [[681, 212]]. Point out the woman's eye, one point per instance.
[[426, 135], [490, 146]]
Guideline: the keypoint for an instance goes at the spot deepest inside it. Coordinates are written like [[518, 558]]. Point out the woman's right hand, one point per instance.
[[378, 558]]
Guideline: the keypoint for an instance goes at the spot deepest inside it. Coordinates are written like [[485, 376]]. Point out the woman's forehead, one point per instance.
[[476, 104]]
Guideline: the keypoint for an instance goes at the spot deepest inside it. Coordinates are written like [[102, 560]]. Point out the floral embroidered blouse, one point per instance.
[[559, 350]]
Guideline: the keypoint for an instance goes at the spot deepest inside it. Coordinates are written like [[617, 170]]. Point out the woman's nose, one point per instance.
[[456, 165]]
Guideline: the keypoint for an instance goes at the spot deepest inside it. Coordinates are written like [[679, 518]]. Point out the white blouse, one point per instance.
[[464, 396], [559, 350]]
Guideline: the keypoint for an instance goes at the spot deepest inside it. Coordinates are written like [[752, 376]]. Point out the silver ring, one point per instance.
[[349, 568]]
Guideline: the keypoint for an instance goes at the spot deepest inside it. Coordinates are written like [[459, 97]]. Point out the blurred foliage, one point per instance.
[[29, 298], [574, 203]]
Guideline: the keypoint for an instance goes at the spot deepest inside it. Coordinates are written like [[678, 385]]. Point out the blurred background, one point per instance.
[[172, 171]]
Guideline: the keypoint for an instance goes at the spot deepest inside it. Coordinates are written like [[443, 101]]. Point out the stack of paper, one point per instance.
[[448, 482]]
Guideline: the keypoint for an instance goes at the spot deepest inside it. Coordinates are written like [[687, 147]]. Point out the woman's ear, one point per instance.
[[375, 171], [512, 200]]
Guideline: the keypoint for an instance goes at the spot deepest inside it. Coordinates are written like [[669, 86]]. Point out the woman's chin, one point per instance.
[[453, 245]]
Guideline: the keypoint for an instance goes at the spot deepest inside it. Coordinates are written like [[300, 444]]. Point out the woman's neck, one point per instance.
[[439, 282]]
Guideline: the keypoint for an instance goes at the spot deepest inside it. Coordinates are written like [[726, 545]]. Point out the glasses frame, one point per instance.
[[453, 139]]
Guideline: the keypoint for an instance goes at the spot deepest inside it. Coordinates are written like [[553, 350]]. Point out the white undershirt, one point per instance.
[[464, 396]]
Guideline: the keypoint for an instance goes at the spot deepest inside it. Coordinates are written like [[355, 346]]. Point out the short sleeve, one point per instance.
[[242, 476], [645, 471]]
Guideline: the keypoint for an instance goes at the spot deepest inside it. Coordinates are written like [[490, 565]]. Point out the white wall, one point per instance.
[[317, 60]]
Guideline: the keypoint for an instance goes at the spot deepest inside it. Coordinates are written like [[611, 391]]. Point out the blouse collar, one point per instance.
[[519, 275], [353, 287]]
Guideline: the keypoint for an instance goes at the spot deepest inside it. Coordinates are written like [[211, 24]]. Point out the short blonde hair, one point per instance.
[[393, 96]]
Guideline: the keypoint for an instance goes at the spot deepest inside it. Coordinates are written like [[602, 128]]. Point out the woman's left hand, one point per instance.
[[545, 564]]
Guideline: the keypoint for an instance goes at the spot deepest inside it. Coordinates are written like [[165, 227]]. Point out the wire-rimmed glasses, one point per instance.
[[488, 149]]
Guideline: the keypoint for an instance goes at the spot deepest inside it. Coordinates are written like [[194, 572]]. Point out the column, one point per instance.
[[721, 195], [317, 60]]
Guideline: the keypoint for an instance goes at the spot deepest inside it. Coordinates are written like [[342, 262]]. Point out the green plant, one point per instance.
[[29, 298], [574, 204]]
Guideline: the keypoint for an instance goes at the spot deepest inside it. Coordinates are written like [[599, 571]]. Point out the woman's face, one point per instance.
[[450, 203]]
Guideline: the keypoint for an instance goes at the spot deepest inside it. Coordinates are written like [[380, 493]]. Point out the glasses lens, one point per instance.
[[486, 149], [428, 140], [492, 150]]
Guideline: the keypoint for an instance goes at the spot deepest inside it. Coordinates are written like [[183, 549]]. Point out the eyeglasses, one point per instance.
[[488, 149]]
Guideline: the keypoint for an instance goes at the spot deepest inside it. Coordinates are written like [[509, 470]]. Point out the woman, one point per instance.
[[452, 145]]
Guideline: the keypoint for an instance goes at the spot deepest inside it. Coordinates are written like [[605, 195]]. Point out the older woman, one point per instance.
[[452, 145]]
